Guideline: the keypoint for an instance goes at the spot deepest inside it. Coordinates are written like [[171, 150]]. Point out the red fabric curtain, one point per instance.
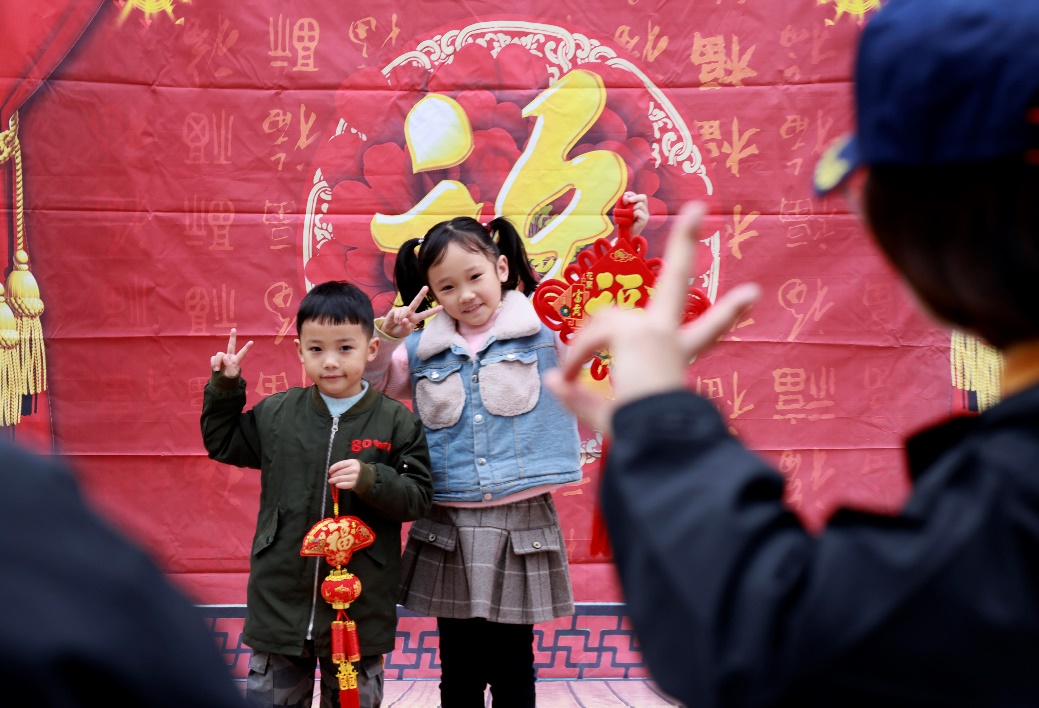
[[34, 38], [37, 36]]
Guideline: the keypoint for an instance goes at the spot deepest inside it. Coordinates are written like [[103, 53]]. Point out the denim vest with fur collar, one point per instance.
[[492, 428]]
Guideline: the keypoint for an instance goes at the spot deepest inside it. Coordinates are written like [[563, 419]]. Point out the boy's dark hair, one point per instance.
[[965, 237], [337, 302], [498, 238]]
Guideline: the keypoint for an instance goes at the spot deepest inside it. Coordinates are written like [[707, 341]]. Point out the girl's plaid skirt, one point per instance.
[[505, 563]]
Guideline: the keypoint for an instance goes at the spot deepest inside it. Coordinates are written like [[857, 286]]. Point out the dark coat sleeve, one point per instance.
[[229, 434], [403, 490], [89, 619], [734, 603]]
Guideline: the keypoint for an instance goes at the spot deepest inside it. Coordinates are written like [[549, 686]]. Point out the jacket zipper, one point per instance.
[[324, 499]]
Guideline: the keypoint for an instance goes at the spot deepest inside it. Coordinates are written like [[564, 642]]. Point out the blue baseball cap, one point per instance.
[[940, 82]]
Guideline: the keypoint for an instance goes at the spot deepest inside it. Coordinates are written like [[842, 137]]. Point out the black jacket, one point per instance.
[[289, 437], [735, 604], [88, 618]]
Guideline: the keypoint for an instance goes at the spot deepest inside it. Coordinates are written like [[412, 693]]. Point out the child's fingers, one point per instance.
[[596, 335], [706, 329], [584, 402], [425, 315], [216, 360], [413, 307], [243, 351], [231, 340], [635, 199], [672, 286]]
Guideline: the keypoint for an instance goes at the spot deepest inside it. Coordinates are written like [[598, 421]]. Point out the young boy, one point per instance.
[[302, 440]]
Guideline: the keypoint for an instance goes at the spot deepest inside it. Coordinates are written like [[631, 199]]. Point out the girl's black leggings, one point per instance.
[[475, 653]]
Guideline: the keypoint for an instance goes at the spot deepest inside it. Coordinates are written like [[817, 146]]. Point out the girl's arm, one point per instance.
[[389, 371]]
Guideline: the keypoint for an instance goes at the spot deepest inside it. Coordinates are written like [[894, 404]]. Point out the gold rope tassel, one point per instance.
[[23, 292], [976, 366], [10, 381], [24, 296]]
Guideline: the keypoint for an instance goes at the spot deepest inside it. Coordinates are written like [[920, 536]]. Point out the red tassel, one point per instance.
[[353, 644], [600, 545], [339, 632], [349, 696]]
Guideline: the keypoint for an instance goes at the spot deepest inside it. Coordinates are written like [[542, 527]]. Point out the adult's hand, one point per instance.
[[649, 348]]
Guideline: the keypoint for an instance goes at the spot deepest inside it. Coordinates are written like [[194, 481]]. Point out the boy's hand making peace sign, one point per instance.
[[401, 321], [229, 363]]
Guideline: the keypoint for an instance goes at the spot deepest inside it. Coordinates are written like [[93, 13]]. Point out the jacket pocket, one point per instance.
[[439, 396], [535, 541], [266, 532], [434, 533], [258, 662], [509, 383]]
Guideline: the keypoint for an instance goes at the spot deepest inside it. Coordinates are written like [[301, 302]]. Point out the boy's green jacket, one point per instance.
[[289, 437]]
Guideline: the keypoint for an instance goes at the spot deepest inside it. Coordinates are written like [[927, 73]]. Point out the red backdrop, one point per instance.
[[193, 167]]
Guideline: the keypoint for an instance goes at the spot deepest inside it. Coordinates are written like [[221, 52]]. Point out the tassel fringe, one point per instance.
[[23, 360], [978, 367], [11, 382]]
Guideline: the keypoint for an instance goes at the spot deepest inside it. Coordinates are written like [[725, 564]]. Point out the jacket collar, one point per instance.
[[516, 319], [1020, 410], [366, 402]]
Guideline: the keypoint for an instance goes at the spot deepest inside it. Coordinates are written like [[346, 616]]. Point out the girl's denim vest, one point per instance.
[[492, 428]]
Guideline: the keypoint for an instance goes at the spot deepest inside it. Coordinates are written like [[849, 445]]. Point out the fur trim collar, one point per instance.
[[516, 319]]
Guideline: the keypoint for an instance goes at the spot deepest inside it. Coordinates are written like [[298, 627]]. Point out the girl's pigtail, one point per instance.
[[406, 274], [511, 246]]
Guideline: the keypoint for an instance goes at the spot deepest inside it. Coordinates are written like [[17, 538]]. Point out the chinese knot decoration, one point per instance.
[[336, 539], [603, 275]]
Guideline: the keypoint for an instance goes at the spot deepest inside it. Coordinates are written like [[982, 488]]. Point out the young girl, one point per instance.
[[489, 562]]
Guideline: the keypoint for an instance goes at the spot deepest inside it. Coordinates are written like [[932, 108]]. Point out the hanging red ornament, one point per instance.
[[605, 274], [336, 539], [340, 588]]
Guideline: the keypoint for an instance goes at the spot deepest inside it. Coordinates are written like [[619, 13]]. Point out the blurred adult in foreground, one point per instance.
[[88, 618], [733, 601]]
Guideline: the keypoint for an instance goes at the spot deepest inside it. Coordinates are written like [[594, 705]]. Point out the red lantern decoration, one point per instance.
[[336, 539], [340, 588]]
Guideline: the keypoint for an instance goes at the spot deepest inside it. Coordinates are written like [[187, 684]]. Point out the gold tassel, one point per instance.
[[976, 366], [24, 296], [10, 381], [22, 289]]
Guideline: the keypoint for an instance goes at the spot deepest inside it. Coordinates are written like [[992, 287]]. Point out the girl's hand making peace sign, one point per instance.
[[229, 363], [401, 321]]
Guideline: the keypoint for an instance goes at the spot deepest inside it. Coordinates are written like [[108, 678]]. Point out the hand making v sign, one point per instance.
[[401, 321], [229, 363], [649, 348]]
